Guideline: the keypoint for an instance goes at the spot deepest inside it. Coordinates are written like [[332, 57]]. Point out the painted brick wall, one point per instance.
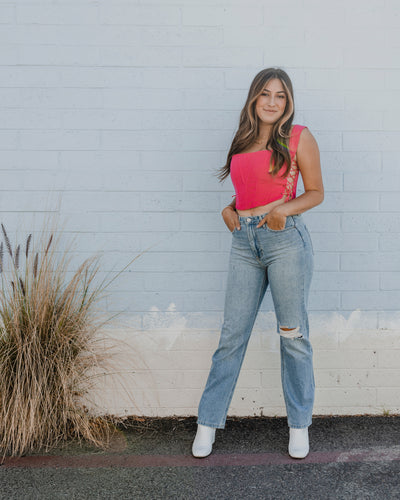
[[116, 114]]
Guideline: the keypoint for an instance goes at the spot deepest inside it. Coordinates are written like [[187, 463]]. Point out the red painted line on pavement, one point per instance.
[[213, 460]]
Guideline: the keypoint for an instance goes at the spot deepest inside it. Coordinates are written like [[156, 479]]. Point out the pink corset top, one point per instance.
[[255, 185]]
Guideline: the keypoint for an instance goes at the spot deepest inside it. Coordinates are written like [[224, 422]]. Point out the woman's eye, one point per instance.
[[266, 95]]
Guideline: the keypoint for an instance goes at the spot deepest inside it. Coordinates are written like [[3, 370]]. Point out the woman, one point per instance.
[[270, 246]]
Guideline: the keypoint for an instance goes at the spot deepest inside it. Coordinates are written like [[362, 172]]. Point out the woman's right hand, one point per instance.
[[231, 218]]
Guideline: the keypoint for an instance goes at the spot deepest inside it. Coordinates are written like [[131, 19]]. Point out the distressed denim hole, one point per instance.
[[290, 333]]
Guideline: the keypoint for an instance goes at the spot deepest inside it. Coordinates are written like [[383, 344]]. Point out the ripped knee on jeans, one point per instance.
[[290, 333]]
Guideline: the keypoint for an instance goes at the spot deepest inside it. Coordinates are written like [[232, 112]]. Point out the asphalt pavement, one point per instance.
[[355, 457]]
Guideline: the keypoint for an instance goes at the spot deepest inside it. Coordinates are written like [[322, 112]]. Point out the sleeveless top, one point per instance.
[[255, 185]]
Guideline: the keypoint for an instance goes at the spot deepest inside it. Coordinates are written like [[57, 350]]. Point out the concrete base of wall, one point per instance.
[[162, 370]]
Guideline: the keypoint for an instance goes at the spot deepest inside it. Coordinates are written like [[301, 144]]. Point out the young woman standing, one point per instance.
[[270, 246]]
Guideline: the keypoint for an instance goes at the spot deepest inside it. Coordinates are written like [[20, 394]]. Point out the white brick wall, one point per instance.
[[115, 115]]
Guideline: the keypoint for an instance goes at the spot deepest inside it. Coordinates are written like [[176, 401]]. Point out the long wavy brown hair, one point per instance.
[[249, 124]]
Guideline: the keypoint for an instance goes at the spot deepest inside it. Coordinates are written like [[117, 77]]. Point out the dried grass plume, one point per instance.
[[48, 347]]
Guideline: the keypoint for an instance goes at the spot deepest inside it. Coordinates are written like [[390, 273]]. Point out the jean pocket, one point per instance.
[[289, 224], [274, 230]]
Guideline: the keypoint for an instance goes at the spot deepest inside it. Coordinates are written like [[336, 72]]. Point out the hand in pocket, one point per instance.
[[274, 220], [231, 219]]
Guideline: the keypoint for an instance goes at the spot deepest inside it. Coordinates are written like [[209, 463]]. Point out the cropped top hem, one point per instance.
[[253, 183]]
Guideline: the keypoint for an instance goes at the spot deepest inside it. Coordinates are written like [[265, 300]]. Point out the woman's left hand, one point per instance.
[[274, 220]]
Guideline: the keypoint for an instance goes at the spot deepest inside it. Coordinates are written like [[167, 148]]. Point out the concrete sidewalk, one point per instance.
[[350, 458]]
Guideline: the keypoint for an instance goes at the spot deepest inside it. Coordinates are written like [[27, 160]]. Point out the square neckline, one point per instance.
[[252, 152]]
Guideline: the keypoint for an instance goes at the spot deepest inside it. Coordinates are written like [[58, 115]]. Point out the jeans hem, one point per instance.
[[299, 426], [214, 426]]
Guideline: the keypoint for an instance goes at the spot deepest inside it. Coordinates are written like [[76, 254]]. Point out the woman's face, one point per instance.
[[270, 104]]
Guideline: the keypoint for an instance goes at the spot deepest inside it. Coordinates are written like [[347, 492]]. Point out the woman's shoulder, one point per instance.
[[295, 134], [297, 129]]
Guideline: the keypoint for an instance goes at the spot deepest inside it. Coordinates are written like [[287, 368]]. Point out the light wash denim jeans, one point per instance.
[[283, 260]]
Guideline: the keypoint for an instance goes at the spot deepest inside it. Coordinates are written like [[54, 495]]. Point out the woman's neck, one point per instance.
[[264, 132]]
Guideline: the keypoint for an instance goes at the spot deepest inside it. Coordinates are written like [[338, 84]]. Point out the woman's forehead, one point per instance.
[[274, 84]]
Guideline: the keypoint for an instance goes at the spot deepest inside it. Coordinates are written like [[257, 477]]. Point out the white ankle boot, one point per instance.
[[202, 444], [298, 443]]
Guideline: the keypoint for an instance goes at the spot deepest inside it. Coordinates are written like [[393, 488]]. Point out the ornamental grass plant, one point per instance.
[[50, 350]]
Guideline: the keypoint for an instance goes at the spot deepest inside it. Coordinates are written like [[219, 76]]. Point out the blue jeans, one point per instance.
[[283, 260]]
